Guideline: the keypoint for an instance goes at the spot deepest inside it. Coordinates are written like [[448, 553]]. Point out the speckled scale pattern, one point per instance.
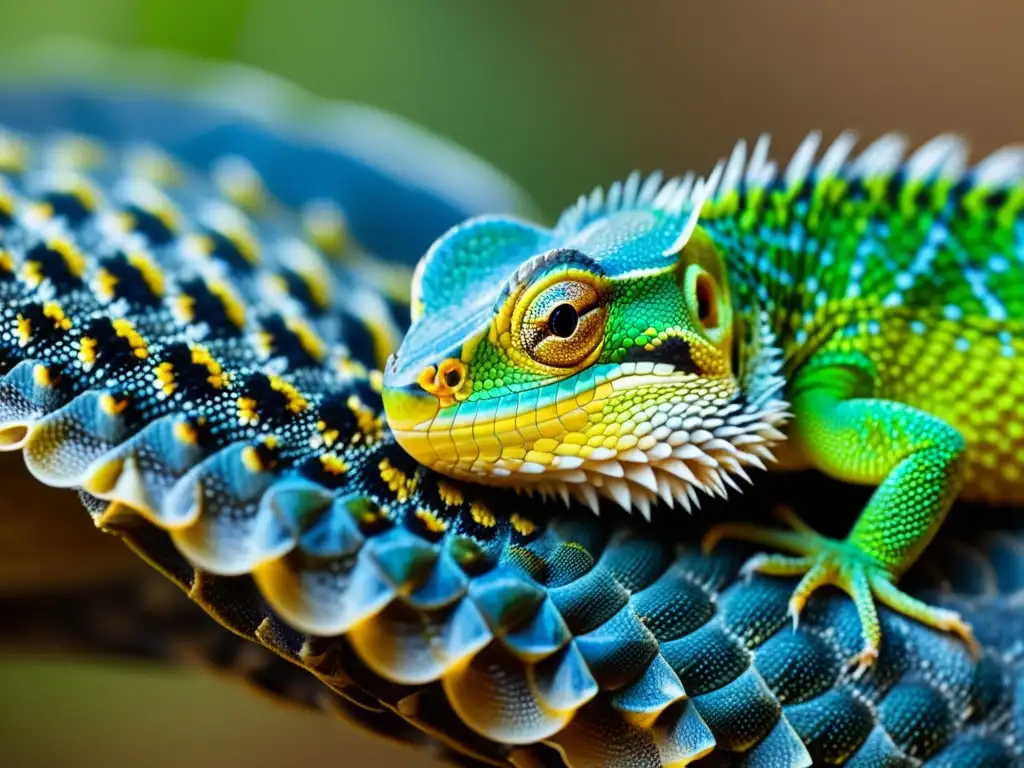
[[127, 342], [913, 261], [255, 472], [524, 638]]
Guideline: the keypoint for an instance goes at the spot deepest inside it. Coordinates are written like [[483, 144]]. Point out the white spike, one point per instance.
[[1001, 168], [686, 186], [927, 159], [678, 491], [698, 199], [630, 189], [691, 452], [743, 474], [680, 470], [719, 445], [608, 468], [955, 164], [666, 493], [666, 193], [614, 198], [747, 438], [758, 159], [691, 494], [730, 463], [588, 496], [803, 160], [573, 477], [767, 174], [674, 207], [643, 505], [618, 490], [715, 481], [727, 477], [837, 153], [711, 184], [649, 189], [734, 169], [883, 155], [642, 475]]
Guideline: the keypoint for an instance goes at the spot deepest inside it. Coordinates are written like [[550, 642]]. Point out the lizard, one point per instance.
[[859, 314], [257, 473]]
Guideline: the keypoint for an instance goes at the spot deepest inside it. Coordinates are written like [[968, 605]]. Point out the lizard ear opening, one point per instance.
[[705, 290], [706, 298], [708, 303]]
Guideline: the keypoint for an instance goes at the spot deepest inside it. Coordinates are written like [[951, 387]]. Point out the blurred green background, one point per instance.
[[561, 96]]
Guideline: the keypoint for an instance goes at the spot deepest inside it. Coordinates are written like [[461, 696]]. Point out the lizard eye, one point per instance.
[[564, 324]]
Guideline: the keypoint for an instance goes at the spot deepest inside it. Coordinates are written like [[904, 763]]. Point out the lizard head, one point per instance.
[[600, 357]]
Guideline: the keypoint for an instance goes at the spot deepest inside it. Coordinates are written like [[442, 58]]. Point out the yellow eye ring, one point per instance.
[[558, 323]]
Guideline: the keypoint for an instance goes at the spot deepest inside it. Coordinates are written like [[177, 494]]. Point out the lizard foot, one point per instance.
[[823, 561]]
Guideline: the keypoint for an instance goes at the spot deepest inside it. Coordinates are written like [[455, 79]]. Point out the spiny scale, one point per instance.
[[792, 249], [845, 250], [241, 449], [699, 457]]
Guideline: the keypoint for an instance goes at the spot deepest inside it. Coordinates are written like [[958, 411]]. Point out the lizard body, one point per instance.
[[655, 342], [257, 473]]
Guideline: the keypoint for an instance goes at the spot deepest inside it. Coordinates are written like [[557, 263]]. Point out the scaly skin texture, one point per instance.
[[228, 427], [654, 342]]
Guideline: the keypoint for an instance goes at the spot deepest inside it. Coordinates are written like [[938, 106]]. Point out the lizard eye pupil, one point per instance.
[[563, 320]]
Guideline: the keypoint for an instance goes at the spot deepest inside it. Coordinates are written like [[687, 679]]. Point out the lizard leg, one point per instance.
[[914, 458]]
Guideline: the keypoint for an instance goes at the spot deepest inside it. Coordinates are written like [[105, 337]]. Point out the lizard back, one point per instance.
[[915, 262]]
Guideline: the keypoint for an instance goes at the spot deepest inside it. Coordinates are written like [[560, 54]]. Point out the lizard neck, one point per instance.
[[773, 281]]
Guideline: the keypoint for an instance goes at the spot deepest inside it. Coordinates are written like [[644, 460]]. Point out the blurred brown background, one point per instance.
[[562, 96]]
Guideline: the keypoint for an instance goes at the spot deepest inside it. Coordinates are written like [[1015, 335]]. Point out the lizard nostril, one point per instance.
[[453, 377]]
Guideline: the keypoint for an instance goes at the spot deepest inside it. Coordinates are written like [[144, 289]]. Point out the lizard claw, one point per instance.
[[863, 661], [822, 561]]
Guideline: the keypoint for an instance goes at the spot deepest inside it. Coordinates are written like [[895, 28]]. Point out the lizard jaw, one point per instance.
[[675, 471], [706, 455], [689, 435]]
